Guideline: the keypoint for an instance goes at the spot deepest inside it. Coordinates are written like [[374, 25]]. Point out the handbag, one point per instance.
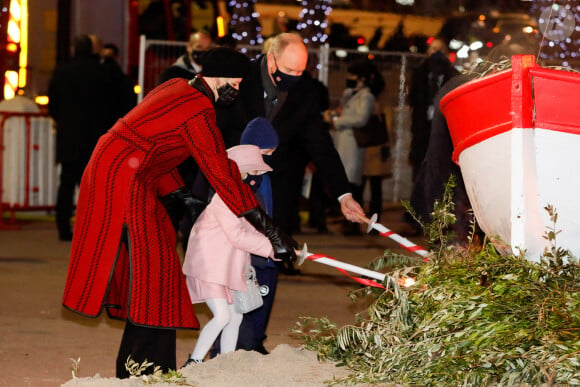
[[373, 133], [245, 302]]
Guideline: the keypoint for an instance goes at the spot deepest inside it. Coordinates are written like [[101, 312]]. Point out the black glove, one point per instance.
[[282, 244], [180, 203]]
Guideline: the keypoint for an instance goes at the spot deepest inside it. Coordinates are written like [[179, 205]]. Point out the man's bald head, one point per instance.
[[287, 54], [199, 41]]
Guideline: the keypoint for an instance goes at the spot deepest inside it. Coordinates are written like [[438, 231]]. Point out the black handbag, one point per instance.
[[373, 133]]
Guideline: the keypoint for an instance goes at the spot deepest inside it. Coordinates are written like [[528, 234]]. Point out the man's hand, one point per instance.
[[351, 209]]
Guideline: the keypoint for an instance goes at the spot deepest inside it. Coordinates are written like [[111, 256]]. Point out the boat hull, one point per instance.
[[516, 138]]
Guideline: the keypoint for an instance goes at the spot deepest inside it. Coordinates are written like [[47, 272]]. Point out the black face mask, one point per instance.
[[268, 159], [253, 181], [284, 81], [227, 94], [196, 55], [351, 83]]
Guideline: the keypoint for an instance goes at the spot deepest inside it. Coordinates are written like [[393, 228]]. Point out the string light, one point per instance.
[[559, 29], [314, 21], [244, 25]]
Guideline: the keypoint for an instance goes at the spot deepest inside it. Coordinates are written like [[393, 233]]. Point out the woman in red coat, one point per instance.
[[123, 253]]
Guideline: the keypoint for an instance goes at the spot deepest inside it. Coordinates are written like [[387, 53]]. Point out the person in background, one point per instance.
[[123, 255], [275, 89], [426, 80], [217, 259], [377, 159], [80, 101], [124, 97], [97, 45], [356, 106], [189, 64]]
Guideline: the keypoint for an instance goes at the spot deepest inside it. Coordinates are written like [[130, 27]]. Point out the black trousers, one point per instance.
[[317, 203], [156, 345], [376, 202], [70, 176]]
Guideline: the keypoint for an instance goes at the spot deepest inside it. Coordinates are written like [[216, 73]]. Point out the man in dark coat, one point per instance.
[[80, 103], [438, 166], [123, 255], [274, 88], [188, 64], [426, 80], [124, 97]]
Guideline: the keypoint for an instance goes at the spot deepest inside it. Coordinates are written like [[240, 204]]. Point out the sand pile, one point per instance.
[[285, 366]]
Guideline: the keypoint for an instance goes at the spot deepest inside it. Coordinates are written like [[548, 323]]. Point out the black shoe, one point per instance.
[[191, 361], [260, 349]]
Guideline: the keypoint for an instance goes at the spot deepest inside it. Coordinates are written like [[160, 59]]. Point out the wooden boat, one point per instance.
[[516, 137]]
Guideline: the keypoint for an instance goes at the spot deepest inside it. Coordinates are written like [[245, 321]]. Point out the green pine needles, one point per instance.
[[474, 317]]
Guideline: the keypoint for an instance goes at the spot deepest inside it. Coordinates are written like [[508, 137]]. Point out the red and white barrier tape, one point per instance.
[[387, 233], [343, 267]]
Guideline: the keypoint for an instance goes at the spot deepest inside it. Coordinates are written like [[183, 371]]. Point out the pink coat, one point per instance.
[[218, 246]]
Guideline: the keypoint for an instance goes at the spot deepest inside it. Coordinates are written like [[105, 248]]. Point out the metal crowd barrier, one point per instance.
[[329, 65], [28, 171]]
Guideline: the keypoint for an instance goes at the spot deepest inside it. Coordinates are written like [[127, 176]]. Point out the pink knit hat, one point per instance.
[[248, 158]]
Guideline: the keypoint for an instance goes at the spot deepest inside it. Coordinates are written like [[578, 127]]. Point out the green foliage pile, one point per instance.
[[474, 317]]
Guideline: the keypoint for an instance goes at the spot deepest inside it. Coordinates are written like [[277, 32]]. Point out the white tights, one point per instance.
[[225, 320]]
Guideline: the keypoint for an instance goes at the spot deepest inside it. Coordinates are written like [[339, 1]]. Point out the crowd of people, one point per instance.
[[215, 154]]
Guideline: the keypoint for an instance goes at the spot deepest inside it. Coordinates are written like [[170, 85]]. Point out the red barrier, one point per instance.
[[28, 157]]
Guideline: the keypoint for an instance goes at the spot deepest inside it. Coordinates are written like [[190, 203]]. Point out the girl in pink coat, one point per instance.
[[217, 254]]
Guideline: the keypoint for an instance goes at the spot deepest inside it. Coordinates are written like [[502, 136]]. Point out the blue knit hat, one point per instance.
[[261, 133]]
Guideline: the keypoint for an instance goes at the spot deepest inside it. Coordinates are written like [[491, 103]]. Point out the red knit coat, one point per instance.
[[134, 163]]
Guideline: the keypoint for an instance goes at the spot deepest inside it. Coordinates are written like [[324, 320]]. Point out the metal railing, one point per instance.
[[28, 171], [329, 65]]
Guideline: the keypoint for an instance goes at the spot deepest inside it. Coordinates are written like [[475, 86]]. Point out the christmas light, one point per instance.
[[313, 21], [244, 24], [559, 29]]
